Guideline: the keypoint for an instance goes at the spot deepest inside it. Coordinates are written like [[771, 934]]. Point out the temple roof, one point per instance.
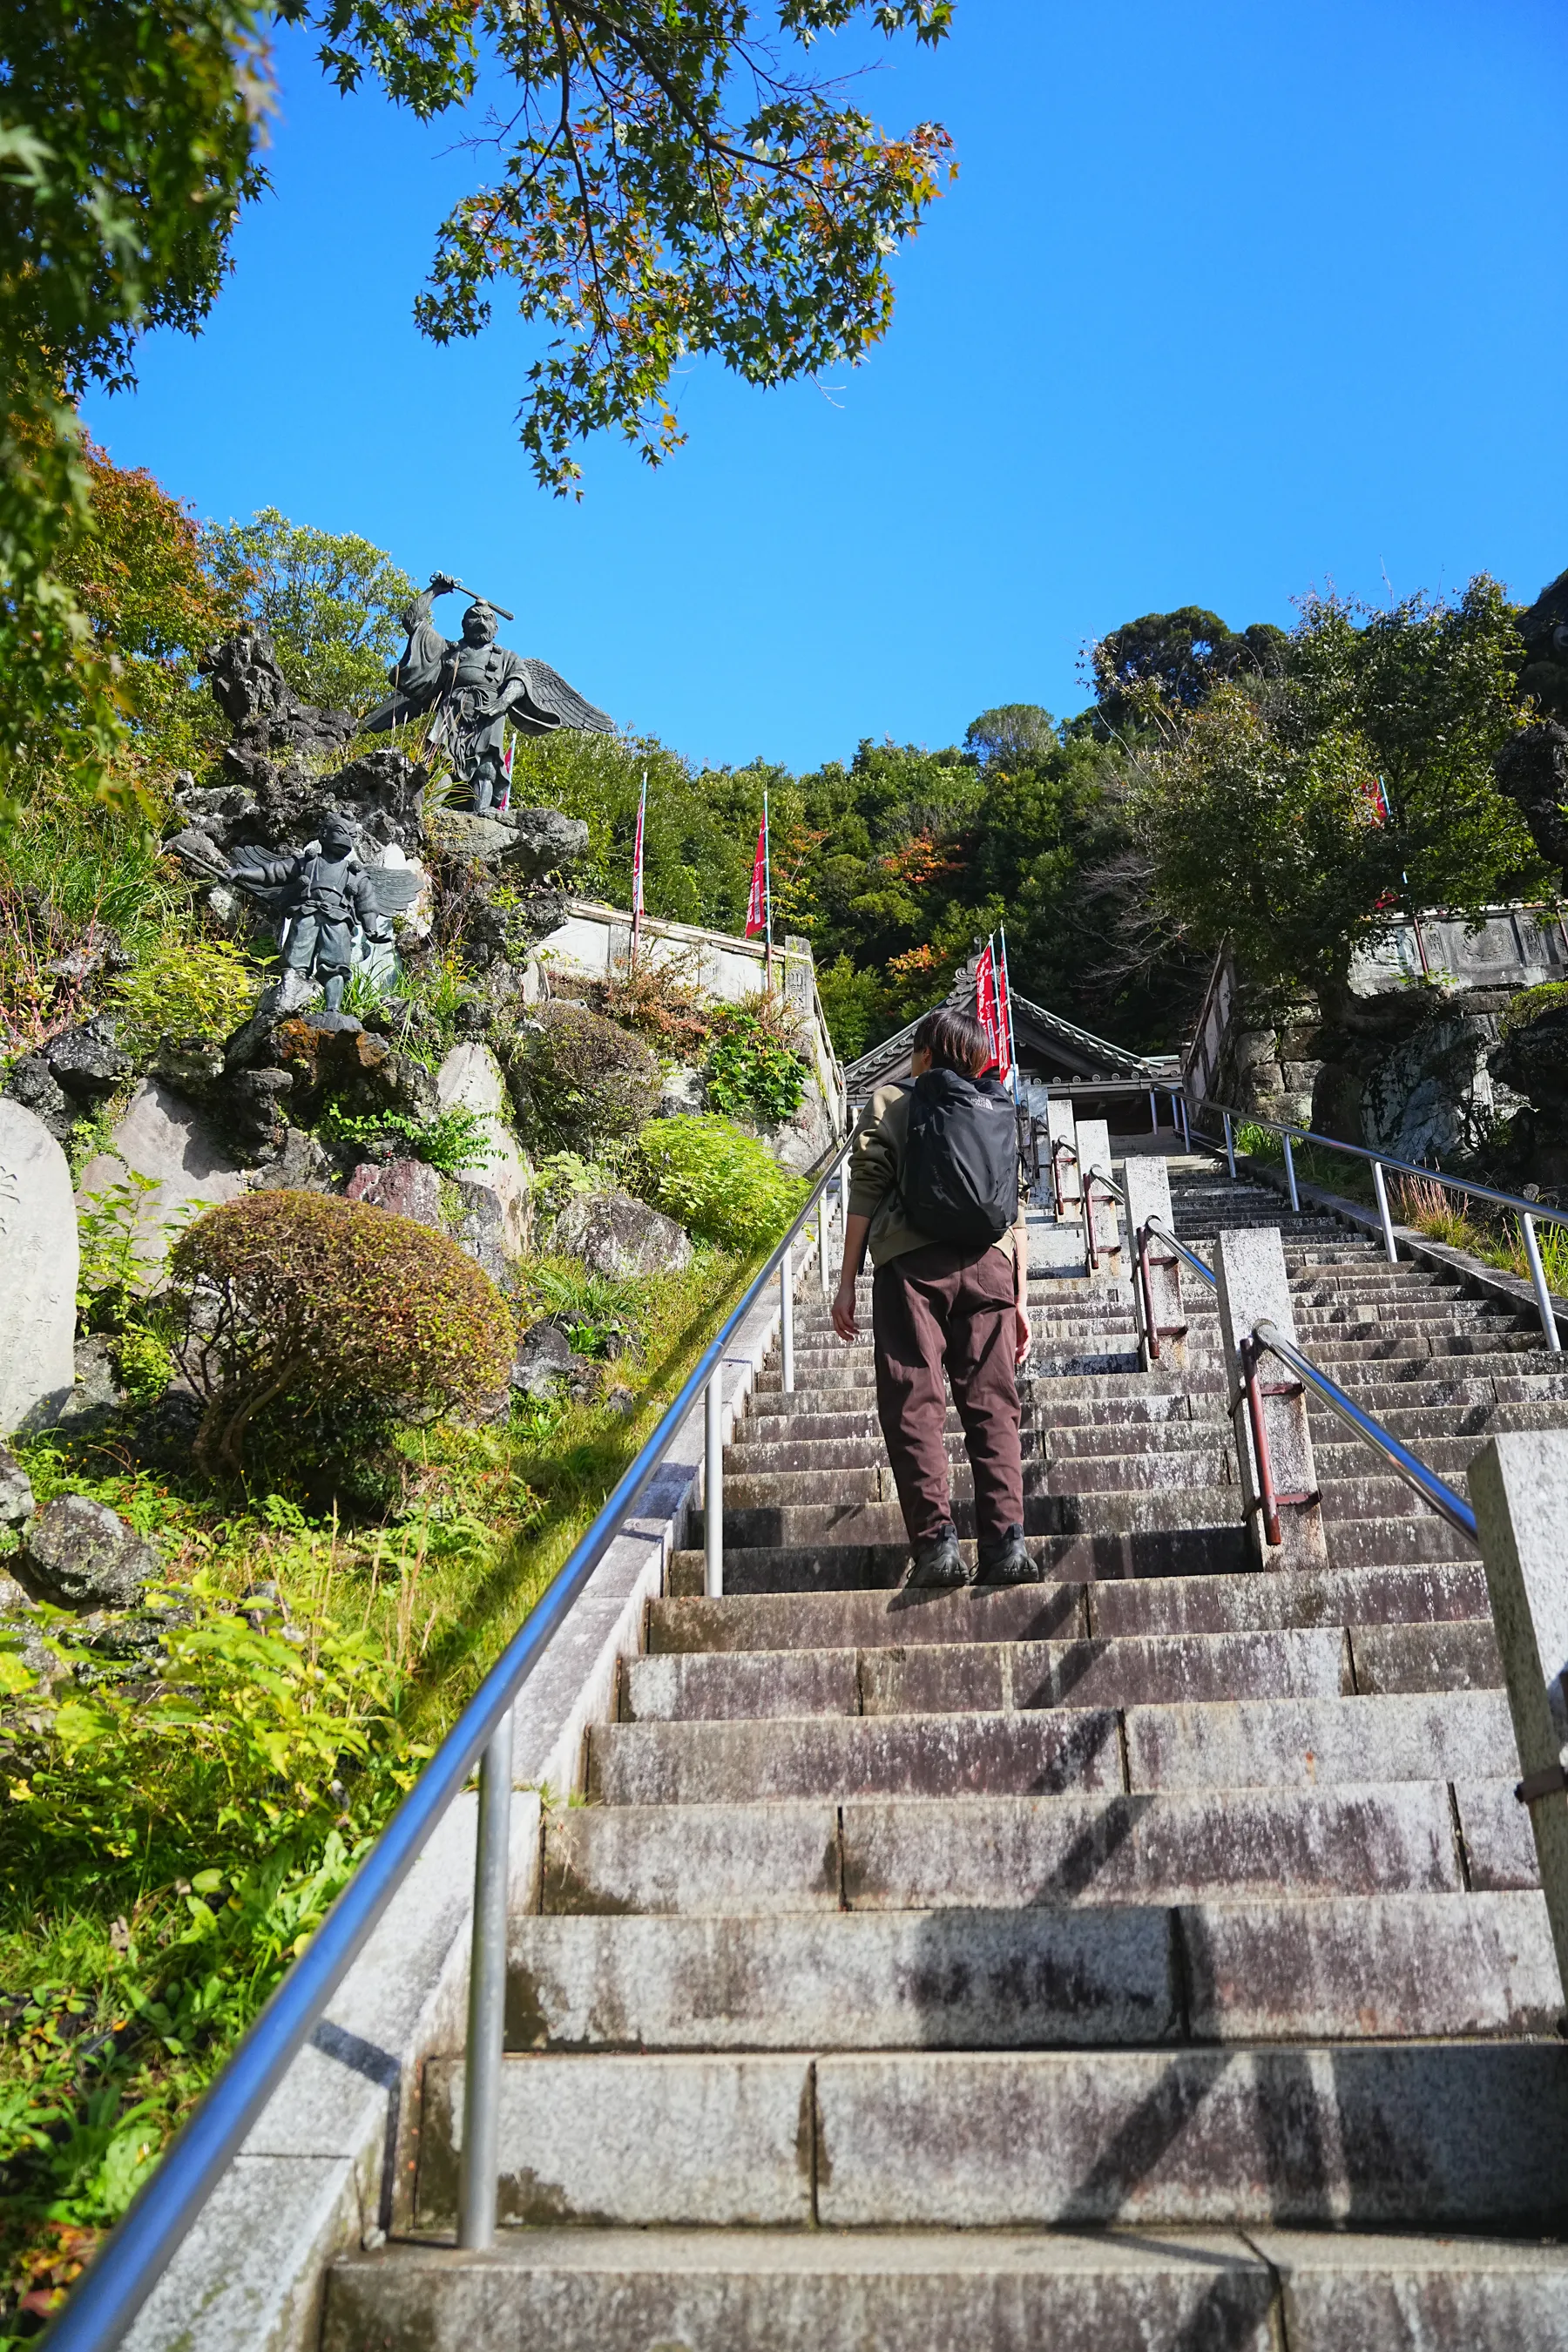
[[1049, 1047]]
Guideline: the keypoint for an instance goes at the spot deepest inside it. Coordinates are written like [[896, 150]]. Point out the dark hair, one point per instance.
[[956, 1041]]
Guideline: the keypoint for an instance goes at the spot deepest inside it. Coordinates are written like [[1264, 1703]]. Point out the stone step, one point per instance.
[[1361, 1968], [1290, 1743], [995, 1677], [1121, 1670], [1020, 1853], [850, 1524], [942, 2290], [1057, 1611]]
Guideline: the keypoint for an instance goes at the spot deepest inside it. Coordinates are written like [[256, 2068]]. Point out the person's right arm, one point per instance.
[[843, 1310]]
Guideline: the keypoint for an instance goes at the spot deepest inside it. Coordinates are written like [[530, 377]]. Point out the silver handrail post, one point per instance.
[[786, 1322], [479, 2165], [713, 1485], [1390, 1246], [822, 1244], [1538, 1276], [1181, 1101], [1229, 1145], [1153, 1112], [1290, 1173]]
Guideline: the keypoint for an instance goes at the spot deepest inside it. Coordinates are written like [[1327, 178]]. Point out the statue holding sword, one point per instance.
[[476, 688]]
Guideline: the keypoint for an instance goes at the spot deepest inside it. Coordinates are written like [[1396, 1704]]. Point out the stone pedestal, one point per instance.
[[1519, 1489], [1162, 1323], [1094, 1155], [1250, 1269]]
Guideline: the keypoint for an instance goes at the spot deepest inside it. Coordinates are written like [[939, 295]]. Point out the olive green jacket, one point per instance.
[[877, 1164]]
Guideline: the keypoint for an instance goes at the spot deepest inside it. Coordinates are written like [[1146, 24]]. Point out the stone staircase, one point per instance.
[[1149, 1958]]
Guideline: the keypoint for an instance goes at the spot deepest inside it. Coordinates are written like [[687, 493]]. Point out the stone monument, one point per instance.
[[38, 1260], [476, 688]]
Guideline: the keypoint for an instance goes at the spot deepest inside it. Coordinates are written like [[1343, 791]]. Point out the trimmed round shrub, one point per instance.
[[721, 1185], [334, 1306], [579, 1082]]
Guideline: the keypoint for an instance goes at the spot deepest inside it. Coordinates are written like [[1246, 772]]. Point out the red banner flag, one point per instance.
[[757, 912], [992, 1009]]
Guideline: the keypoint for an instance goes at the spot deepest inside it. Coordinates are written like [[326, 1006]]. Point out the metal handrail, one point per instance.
[[109, 2293], [1426, 1483], [1527, 1212]]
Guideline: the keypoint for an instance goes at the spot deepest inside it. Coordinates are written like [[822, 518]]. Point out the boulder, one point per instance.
[[40, 1257], [799, 1141], [682, 1094], [544, 1359], [172, 1142], [479, 1228], [547, 842], [97, 1395], [470, 1079], [301, 1165], [81, 1555], [614, 1234], [539, 840], [406, 1188], [466, 838], [16, 1492], [87, 1062], [30, 1084]]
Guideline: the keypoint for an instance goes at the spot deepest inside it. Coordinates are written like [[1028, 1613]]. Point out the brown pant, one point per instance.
[[939, 1307]]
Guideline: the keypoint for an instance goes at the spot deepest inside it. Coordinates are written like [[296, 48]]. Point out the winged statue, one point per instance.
[[476, 690]]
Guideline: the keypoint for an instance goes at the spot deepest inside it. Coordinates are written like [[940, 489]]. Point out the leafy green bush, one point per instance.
[[450, 1143], [185, 987], [751, 1073], [579, 1082], [328, 1302], [721, 1185], [563, 1176], [225, 1808]]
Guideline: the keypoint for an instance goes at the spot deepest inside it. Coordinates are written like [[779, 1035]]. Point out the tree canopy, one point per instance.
[[329, 601], [664, 181], [1293, 812]]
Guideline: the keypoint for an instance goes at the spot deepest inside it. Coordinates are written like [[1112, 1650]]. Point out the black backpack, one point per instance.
[[960, 1181]]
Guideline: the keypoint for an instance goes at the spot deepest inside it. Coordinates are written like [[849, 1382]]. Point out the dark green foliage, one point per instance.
[[751, 1073], [331, 1303], [579, 1082], [329, 601], [721, 1185], [1185, 653], [1014, 731], [1258, 805], [114, 217]]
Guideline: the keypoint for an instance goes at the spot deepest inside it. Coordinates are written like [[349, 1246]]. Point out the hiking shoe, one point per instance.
[[938, 1562], [1005, 1560]]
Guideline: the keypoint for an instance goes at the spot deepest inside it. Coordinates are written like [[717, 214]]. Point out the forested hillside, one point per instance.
[[1282, 788]]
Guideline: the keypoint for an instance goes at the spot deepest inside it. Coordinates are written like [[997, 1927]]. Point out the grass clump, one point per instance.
[[1431, 1209], [721, 1185]]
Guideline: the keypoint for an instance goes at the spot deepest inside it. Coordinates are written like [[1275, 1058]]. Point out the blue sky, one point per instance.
[[1227, 303]]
